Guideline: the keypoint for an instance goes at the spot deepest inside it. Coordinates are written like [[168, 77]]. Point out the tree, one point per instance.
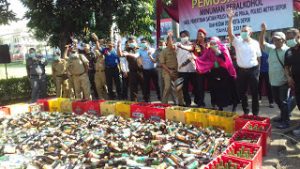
[[6, 14], [57, 20]]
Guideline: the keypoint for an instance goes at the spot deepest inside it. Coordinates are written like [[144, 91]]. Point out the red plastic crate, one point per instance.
[[44, 103], [241, 133], [243, 119], [242, 164], [78, 107], [139, 110], [156, 112], [266, 139], [256, 161], [93, 107]]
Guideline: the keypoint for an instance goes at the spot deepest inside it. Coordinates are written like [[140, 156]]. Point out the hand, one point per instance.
[[291, 82], [94, 36], [125, 74], [149, 53], [263, 27], [230, 12], [179, 45], [125, 53]]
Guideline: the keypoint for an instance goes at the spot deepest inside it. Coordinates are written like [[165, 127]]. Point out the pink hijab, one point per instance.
[[206, 62]]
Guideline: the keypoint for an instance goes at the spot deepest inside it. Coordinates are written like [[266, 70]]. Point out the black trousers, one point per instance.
[[297, 89], [125, 81], [280, 96], [264, 79], [248, 78], [113, 74], [200, 89], [191, 77], [151, 75], [91, 75], [136, 80]]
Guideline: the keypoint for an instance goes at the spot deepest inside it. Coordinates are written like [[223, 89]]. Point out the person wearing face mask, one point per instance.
[[168, 61], [100, 79], [187, 69], [77, 67], [35, 66], [277, 75], [150, 73], [248, 55], [217, 64], [292, 68], [135, 73], [60, 77], [91, 71]]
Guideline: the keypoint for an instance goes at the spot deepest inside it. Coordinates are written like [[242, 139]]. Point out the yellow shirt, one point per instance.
[[59, 68]]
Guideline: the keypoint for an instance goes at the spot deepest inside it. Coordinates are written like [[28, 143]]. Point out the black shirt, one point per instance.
[[292, 59], [92, 60]]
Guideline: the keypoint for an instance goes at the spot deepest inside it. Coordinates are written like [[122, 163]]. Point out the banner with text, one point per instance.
[[211, 15]]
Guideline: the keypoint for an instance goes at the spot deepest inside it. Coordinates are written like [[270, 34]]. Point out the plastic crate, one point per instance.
[[108, 107], [123, 109], [78, 107], [54, 104], [93, 107], [242, 164], [237, 136], [197, 117], [266, 133], [45, 104], [156, 112], [176, 113], [222, 120], [4, 111], [66, 106], [256, 161], [243, 119], [17, 109], [139, 110]]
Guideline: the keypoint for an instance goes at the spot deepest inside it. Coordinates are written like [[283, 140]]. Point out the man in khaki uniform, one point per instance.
[[100, 79], [78, 67], [169, 64], [59, 73]]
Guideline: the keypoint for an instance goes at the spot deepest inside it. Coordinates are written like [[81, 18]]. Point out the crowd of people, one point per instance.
[[228, 69]]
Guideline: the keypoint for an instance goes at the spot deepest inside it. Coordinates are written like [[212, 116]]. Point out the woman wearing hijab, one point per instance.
[[217, 64]]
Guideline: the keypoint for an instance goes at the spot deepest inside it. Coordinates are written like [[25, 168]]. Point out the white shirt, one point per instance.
[[182, 56], [124, 64], [247, 53]]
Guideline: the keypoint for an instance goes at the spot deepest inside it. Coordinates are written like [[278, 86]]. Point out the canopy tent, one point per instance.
[[173, 12]]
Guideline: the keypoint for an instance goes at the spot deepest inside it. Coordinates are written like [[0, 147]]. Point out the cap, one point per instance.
[[279, 35], [203, 31]]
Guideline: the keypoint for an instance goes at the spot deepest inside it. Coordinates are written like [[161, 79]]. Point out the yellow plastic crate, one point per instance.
[[54, 104], [197, 117], [66, 106], [223, 120], [176, 113], [123, 109], [17, 109], [108, 107]]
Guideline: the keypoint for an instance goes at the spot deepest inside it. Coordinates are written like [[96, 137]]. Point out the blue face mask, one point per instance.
[[132, 45], [291, 43], [143, 46], [244, 35], [32, 55], [56, 58]]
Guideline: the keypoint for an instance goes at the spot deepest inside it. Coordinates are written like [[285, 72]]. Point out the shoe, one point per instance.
[[283, 126], [277, 119], [296, 132], [271, 105]]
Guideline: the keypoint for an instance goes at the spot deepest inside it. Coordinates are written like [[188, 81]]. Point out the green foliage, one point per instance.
[[57, 20], [19, 89], [6, 14]]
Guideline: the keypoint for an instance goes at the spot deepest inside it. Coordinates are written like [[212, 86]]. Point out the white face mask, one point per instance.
[[184, 40]]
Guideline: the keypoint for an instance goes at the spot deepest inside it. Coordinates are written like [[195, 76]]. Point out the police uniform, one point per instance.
[[100, 79], [168, 58], [36, 72], [77, 66], [59, 73]]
